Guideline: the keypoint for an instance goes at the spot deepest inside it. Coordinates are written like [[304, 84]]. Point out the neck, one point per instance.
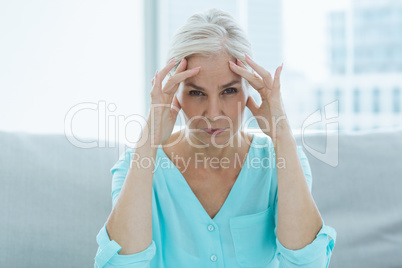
[[210, 155]]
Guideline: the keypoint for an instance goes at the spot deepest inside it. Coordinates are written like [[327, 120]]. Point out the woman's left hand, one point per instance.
[[270, 115]]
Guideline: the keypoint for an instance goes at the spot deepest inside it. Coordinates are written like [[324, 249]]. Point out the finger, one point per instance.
[[254, 80], [174, 82], [277, 83], [172, 88], [160, 76], [266, 76], [182, 66], [240, 63], [153, 79], [154, 83], [252, 105]]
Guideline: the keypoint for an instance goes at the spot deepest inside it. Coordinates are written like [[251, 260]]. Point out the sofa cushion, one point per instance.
[[55, 197], [361, 196]]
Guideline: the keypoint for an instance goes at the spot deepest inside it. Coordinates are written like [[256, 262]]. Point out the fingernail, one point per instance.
[[181, 60], [239, 61], [232, 63], [196, 68], [172, 60], [248, 57]]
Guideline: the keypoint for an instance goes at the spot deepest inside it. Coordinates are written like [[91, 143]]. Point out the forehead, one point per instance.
[[214, 71]]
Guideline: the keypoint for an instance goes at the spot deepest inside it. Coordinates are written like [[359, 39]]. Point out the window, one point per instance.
[[357, 50], [319, 98], [356, 100], [396, 99], [376, 101], [338, 97]]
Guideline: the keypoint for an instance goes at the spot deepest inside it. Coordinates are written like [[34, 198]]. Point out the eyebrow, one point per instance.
[[189, 84]]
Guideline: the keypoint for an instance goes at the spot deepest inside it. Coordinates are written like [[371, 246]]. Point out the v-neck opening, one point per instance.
[[234, 187]]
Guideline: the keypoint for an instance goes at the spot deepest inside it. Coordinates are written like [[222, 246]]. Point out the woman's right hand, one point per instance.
[[162, 115]]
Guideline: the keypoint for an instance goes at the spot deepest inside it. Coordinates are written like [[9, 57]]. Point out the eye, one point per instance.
[[195, 93], [230, 90]]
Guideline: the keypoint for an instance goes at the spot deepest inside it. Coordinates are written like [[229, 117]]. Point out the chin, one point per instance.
[[206, 138]]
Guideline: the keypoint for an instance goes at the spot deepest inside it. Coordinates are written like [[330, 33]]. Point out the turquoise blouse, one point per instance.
[[242, 234]]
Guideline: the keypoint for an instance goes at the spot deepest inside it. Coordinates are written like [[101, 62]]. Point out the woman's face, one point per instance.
[[210, 101]]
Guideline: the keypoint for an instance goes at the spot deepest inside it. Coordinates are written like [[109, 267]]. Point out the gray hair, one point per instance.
[[209, 33]]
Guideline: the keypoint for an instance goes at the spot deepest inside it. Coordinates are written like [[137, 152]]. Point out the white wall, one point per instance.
[[55, 55]]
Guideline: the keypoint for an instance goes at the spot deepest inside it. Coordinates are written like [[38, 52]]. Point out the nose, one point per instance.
[[214, 109]]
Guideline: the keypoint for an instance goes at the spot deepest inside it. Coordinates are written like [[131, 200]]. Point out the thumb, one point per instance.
[[252, 105], [176, 107]]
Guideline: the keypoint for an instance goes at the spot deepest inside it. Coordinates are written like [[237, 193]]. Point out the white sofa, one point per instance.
[[55, 197]]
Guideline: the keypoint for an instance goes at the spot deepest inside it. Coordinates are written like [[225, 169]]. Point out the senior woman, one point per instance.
[[209, 199]]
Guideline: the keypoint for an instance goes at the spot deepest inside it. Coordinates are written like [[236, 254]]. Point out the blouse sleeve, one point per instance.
[[107, 254], [318, 253]]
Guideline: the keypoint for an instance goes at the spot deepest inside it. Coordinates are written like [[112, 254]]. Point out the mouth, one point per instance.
[[214, 131]]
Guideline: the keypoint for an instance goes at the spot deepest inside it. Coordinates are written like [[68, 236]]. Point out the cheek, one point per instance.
[[236, 105], [187, 103]]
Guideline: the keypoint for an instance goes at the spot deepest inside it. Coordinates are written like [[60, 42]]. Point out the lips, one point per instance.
[[213, 131]]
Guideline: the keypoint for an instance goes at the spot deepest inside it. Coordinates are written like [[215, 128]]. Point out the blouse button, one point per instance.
[[211, 228], [213, 258]]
